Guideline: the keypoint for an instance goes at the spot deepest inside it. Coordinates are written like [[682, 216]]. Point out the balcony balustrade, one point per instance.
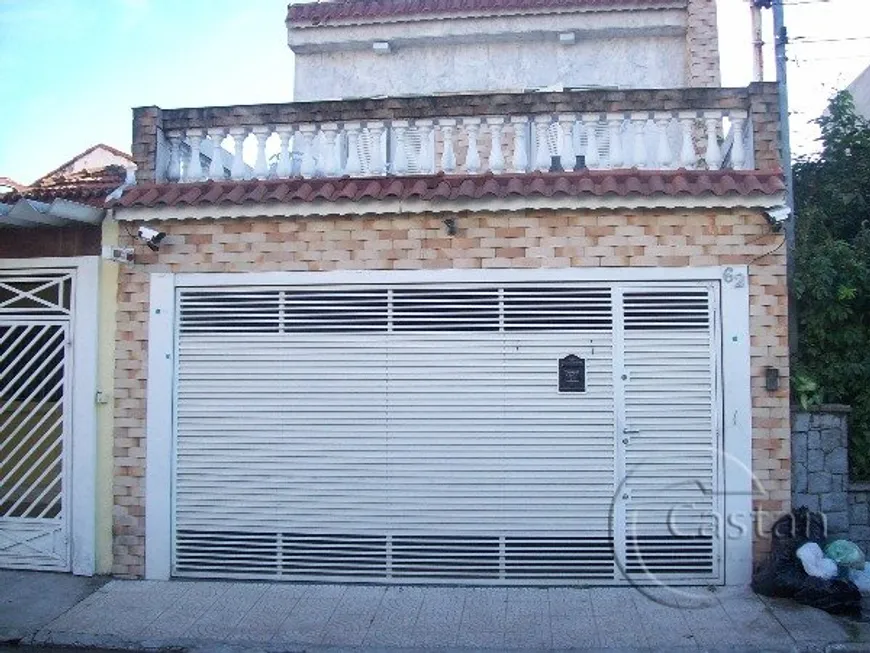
[[358, 138]]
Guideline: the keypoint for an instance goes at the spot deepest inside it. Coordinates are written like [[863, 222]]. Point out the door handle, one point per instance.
[[628, 431]]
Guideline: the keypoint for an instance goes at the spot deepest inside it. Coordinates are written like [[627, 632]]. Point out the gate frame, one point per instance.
[[81, 504], [735, 477]]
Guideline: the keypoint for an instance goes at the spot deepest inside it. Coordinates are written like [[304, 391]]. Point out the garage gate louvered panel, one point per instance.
[[397, 433], [672, 424]]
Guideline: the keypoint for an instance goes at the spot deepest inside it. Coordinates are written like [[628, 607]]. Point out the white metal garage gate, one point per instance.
[[513, 433]]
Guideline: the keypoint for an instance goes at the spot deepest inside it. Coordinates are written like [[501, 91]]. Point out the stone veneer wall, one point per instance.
[[530, 239], [820, 465], [820, 473]]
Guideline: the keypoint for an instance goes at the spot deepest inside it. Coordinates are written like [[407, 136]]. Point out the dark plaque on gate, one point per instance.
[[572, 374]]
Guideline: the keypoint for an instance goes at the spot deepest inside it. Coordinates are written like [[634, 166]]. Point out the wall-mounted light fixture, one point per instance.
[[771, 379], [450, 223], [381, 47]]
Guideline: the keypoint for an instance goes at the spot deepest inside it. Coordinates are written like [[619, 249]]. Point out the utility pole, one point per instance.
[[780, 42], [781, 39]]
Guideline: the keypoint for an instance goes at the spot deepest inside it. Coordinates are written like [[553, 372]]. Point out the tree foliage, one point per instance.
[[832, 271]]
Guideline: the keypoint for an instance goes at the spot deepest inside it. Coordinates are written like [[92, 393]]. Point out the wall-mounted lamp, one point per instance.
[[771, 379], [450, 223], [381, 47]]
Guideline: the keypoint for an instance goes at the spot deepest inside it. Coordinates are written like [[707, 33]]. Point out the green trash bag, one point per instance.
[[845, 553]]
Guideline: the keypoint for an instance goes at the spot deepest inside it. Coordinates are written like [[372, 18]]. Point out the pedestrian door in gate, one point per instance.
[[35, 339]]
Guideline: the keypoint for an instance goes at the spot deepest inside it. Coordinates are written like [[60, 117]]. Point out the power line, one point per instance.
[[801, 40]]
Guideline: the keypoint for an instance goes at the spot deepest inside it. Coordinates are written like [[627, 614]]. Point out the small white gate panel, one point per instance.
[[34, 417], [405, 434]]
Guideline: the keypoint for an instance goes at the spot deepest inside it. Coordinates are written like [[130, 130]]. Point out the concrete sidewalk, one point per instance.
[[221, 616], [29, 600]]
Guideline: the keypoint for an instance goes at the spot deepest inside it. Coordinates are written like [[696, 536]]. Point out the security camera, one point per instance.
[[778, 214], [152, 237]]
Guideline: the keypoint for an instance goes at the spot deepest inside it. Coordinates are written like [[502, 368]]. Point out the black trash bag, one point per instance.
[[836, 596], [782, 575]]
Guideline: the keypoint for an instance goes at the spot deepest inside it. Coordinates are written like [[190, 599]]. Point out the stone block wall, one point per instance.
[[820, 473], [820, 465], [522, 239], [859, 515]]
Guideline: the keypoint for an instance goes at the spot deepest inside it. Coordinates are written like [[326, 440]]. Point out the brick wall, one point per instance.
[[514, 240], [702, 44]]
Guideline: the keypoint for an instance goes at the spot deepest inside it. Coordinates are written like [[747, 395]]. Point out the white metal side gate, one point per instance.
[[35, 338], [418, 433]]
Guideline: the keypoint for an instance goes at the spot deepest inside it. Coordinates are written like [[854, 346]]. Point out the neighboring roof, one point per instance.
[[57, 213], [86, 186], [440, 187], [11, 183], [318, 12], [98, 146], [62, 200]]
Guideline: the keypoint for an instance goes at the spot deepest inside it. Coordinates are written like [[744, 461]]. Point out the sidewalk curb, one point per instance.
[[188, 645]]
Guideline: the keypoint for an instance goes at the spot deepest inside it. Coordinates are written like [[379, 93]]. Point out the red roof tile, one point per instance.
[[87, 187], [320, 12], [619, 183]]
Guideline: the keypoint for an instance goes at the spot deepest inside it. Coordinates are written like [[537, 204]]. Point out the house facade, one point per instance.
[[57, 308], [478, 334]]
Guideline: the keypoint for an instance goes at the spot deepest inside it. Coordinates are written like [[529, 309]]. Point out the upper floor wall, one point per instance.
[[371, 48]]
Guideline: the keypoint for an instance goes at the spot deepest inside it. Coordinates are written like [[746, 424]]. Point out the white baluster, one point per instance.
[[520, 159], [542, 144], [593, 157], [194, 167], [261, 165], [400, 162], [353, 165], [216, 170], [616, 159], [239, 170], [688, 156], [567, 157], [496, 151], [713, 156], [427, 155], [308, 169], [738, 145], [448, 156], [173, 172], [329, 164], [472, 155], [284, 168], [664, 156], [639, 155], [376, 164]]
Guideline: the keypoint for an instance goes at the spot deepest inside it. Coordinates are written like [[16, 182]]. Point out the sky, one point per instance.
[[71, 70]]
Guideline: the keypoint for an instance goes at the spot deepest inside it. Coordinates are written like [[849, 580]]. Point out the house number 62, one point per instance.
[[737, 278]]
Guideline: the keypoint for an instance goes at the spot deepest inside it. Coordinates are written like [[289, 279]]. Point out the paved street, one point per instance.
[[225, 616]]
